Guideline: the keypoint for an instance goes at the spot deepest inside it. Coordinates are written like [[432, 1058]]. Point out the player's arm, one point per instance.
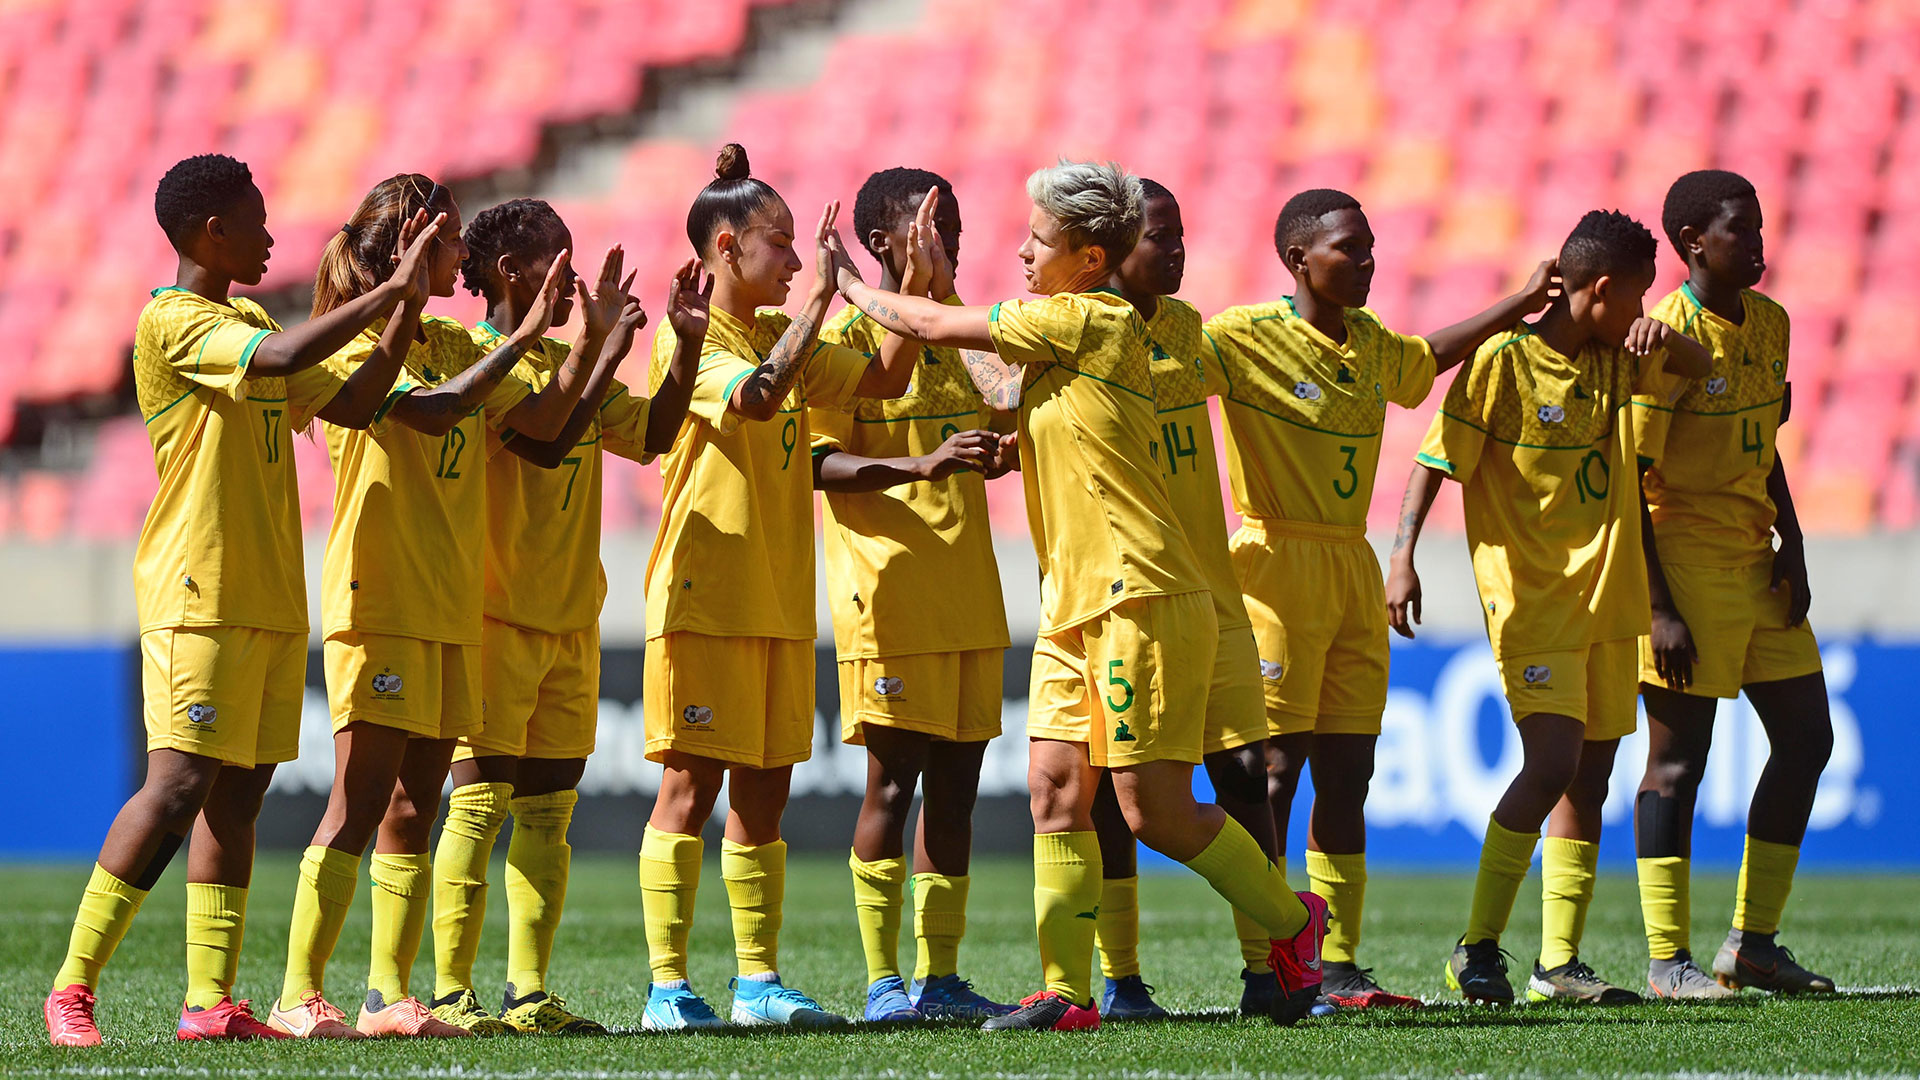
[[545, 415], [295, 350], [366, 390], [1790, 562], [437, 410], [1457, 343], [1674, 653], [837, 470], [1403, 582], [1686, 357]]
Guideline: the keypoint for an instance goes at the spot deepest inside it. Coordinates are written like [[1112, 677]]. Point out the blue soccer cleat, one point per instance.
[[950, 997], [678, 1009], [887, 1002], [1130, 998], [771, 1004]]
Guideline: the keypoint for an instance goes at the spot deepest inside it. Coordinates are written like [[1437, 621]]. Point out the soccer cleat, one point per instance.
[[229, 1019], [1575, 982], [314, 1018], [950, 997], [406, 1018], [1296, 965], [541, 1013], [1046, 1011], [1678, 978], [773, 1003], [1349, 986], [1256, 997], [462, 1010], [70, 1017], [1758, 961], [678, 1008], [1479, 972], [1130, 998], [887, 1002]]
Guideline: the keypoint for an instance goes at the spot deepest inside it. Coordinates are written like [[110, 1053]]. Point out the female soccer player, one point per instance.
[[907, 535], [730, 590], [541, 638], [401, 598], [1128, 632]]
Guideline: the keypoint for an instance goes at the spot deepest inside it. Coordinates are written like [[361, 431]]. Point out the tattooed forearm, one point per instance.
[[998, 383], [464, 392], [1421, 488], [883, 313], [772, 381]]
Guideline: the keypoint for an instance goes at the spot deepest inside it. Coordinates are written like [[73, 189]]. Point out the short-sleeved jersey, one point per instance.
[[1186, 372], [734, 551], [405, 554], [221, 542], [909, 569], [1713, 448], [543, 525], [1304, 415], [1542, 446], [1103, 523]]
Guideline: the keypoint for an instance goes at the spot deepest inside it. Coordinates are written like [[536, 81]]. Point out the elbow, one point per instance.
[[759, 412]]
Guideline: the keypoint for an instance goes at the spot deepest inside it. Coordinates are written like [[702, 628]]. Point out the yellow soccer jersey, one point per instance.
[[1543, 449], [1713, 448], [1104, 526], [734, 552], [543, 525], [1304, 415], [229, 502], [909, 569], [1186, 372], [405, 553]]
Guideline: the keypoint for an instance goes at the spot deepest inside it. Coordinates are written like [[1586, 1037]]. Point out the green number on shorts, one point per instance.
[[1353, 474], [452, 445], [1114, 679], [575, 462], [789, 438], [1583, 477], [1752, 439], [271, 417]]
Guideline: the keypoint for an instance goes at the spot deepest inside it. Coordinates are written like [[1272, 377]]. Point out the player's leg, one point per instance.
[[401, 871], [1569, 861], [1679, 736], [219, 871], [476, 809], [539, 859], [1126, 996], [943, 853], [753, 863], [1337, 863], [670, 857], [895, 760], [1239, 779], [1799, 728]]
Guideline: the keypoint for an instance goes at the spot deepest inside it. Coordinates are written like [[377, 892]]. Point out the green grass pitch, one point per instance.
[[1865, 931]]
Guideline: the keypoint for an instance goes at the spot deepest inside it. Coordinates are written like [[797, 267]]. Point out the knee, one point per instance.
[[1238, 776], [177, 800], [1674, 777], [892, 794], [1814, 746], [1547, 779]]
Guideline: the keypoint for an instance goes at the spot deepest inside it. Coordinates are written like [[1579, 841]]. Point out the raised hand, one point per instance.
[[539, 315], [1544, 285], [1646, 335], [600, 307], [688, 296], [832, 264], [417, 236], [934, 248]]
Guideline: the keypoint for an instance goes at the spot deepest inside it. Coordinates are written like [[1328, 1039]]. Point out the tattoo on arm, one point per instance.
[[998, 383], [464, 392], [883, 313], [772, 381]]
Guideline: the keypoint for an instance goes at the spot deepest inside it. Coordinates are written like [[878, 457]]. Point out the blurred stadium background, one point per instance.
[[1475, 131]]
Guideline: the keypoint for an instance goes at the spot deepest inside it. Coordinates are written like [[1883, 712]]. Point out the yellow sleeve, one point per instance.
[[1413, 365], [343, 364], [832, 428], [1213, 367], [1652, 419], [213, 351], [1036, 331], [720, 371], [510, 392], [832, 374], [623, 423], [1459, 430], [310, 391], [1650, 376]]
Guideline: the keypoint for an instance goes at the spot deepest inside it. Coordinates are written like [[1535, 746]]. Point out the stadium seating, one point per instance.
[[1474, 130]]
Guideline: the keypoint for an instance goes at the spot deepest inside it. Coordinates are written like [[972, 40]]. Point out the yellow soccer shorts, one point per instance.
[[744, 701], [951, 696], [1319, 611], [1236, 703], [539, 693], [1131, 684], [1739, 628], [231, 693], [428, 689], [1595, 685]]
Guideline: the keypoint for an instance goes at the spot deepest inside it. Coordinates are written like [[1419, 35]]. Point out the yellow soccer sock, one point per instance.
[[669, 878], [1665, 904], [107, 909], [939, 922], [538, 861], [1504, 857], [1340, 880], [1238, 870], [1766, 877], [328, 880], [475, 813], [1567, 870], [756, 877], [1254, 943], [878, 888], [1066, 907], [216, 921], [1117, 931], [402, 886]]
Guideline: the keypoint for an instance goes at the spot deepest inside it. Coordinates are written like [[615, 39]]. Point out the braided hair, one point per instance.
[[518, 227]]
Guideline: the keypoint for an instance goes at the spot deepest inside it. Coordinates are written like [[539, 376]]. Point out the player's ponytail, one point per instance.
[[360, 256], [729, 200]]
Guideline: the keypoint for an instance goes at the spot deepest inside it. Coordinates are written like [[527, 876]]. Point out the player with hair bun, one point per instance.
[[730, 623]]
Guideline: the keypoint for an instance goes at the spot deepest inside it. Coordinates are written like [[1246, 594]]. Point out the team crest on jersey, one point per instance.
[[697, 716], [386, 682], [889, 686], [1535, 674], [202, 714], [1717, 385], [1344, 376], [1271, 670], [1307, 391], [1551, 414]]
